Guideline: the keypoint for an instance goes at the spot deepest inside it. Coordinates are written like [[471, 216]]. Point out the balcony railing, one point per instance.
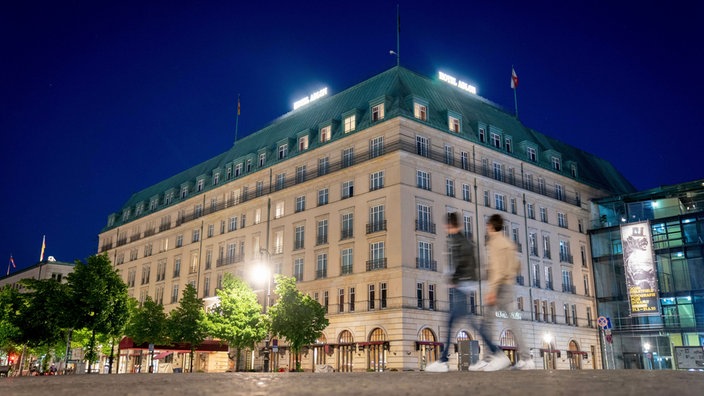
[[426, 264], [566, 258], [376, 226], [520, 280], [376, 264], [321, 273], [229, 260], [425, 226]]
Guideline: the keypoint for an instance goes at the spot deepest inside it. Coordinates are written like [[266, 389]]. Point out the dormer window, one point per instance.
[[496, 140], [199, 185], [378, 112], [532, 156], [125, 215], [325, 134], [420, 111], [303, 143], [168, 198], [262, 159], [184, 192], [453, 124], [153, 203], [508, 144], [350, 123], [248, 166], [216, 179], [556, 165], [283, 151], [482, 135], [238, 170], [573, 170]]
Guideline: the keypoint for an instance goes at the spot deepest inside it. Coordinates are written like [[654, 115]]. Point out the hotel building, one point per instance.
[[348, 194]]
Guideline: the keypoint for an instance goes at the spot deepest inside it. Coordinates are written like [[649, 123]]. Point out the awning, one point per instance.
[[429, 343], [162, 355], [583, 353]]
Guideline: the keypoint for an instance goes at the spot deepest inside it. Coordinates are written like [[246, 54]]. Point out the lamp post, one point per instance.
[[264, 272]]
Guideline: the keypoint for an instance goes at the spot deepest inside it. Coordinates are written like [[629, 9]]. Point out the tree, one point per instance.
[[10, 316], [187, 322], [296, 316], [98, 299], [42, 315], [238, 317], [148, 323]]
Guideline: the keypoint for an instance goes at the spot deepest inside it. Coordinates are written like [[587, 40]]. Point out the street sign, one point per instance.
[[603, 322]]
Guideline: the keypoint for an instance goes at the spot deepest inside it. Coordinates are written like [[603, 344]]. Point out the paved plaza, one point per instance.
[[538, 382]]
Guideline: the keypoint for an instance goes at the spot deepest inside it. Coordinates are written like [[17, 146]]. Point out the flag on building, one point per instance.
[[41, 256], [12, 261], [238, 105], [514, 79]]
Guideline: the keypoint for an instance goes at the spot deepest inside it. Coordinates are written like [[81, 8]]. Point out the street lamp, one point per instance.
[[263, 272]]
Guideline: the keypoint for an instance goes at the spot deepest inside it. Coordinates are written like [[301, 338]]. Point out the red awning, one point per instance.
[[372, 343], [431, 343]]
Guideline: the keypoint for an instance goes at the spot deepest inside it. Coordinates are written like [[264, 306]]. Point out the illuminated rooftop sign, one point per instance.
[[457, 83], [308, 99]]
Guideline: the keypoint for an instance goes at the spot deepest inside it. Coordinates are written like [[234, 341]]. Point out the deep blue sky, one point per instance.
[[102, 99]]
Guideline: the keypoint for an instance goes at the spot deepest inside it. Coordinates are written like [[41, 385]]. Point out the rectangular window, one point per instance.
[[532, 156], [347, 157], [259, 188], [303, 143], [508, 144], [536, 275], [300, 174], [371, 297], [350, 123], [467, 221], [323, 197], [341, 300], [283, 151], [323, 166], [322, 237], [533, 244], [299, 237], [376, 147], [514, 206], [424, 218], [347, 189], [500, 201], [378, 112], [420, 111], [498, 171], [423, 180], [482, 135], [546, 247], [322, 266], [325, 134], [346, 261], [382, 295], [423, 146], [559, 194], [425, 256], [565, 254], [466, 195], [174, 294], [300, 203], [298, 269], [177, 267], [453, 124], [233, 224], [376, 180], [464, 159], [544, 215], [208, 259], [420, 303], [556, 165], [280, 181], [531, 211], [347, 227], [496, 140], [574, 314], [262, 159], [278, 212], [449, 155], [377, 257], [562, 220], [352, 298], [196, 236], [449, 187], [377, 221]]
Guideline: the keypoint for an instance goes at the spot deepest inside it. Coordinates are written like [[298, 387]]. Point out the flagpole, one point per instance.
[[514, 85], [41, 256], [515, 100], [237, 119], [398, 35]]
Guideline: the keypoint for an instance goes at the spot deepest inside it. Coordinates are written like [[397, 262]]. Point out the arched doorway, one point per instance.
[[428, 348], [507, 342], [376, 353], [319, 350], [346, 348], [574, 355]]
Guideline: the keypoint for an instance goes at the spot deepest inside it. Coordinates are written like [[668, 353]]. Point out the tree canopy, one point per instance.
[[187, 322]]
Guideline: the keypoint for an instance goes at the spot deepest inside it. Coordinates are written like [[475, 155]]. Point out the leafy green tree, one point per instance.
[[148, 323], [296, 316], [42, 313], [10, 302], [238, 317], [187, 322], [98, 300]]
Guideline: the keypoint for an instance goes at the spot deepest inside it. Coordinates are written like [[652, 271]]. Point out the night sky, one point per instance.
[[102, 99]]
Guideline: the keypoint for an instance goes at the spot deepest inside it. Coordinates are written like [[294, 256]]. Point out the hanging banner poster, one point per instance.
[[639, 268]]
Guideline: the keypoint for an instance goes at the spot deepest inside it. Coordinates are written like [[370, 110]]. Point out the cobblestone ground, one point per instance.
[[538, 382]]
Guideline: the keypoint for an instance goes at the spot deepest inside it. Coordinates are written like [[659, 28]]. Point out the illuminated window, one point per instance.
[[302, 143], [453, 124], [420, 111], [378, 112], [325, 134], [350, 123]]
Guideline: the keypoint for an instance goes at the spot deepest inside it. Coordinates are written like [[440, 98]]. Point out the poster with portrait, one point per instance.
[[639, 268]]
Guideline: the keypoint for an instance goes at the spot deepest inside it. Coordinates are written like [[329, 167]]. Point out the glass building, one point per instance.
[[666, 330]]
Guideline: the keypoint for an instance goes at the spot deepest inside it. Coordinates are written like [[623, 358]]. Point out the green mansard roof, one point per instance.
[[396, 87]]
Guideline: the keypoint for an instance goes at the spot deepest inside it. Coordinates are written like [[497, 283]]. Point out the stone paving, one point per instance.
[[504, 383]]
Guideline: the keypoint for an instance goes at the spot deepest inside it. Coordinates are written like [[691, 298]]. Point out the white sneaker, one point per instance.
[[497, 361], [437, 367], [479, 365], [525, 365]]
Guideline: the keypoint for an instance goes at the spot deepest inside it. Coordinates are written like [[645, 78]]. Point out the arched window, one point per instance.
[[346, 349]]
